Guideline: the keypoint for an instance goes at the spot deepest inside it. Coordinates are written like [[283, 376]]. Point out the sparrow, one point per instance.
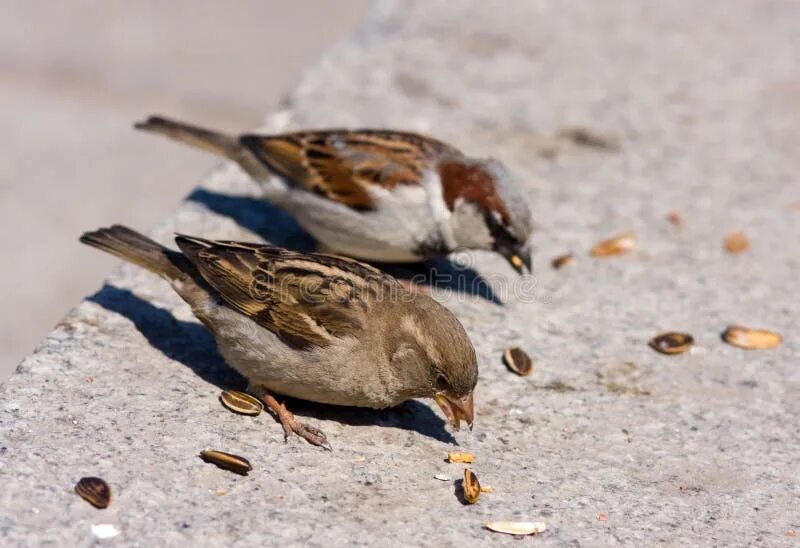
[[378, 195], [311, 326]]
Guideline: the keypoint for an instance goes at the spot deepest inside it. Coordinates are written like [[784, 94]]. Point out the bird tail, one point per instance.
[[212, 141], [140, 250]]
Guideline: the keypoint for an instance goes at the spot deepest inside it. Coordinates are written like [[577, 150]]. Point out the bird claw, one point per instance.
[[290, 424], [312, 435]]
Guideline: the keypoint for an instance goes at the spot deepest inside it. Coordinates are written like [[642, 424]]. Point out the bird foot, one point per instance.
[[290, 424]]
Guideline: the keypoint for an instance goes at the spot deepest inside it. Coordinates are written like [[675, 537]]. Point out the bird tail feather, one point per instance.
[[138, 249], [212, 141]]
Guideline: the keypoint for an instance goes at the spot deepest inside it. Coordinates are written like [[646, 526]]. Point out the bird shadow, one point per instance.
[[192, 345], [410, 415], [279, 228], [186, 342], [443, 274], [458, 491], [259, 216]]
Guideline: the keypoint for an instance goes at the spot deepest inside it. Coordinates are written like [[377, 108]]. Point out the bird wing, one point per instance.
[[307, 300], [346, 166]]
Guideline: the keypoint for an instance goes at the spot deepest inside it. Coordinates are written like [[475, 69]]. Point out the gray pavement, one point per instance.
[[607, 441], [75, 75]]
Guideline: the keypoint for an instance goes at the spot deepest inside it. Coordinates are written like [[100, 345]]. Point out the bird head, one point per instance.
[[436, 357], [489, 209]]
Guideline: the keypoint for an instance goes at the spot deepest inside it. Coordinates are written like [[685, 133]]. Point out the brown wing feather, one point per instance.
[[306, 300], [345, 165]]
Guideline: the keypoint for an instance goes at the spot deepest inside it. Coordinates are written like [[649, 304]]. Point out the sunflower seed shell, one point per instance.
[[234, 463], [614, 246], [736, 242], [516, 527], [518, 361], [241, 403], [561, 260], [751, 339], [460, 457], [471, 486], [95, 491], [672, 343]]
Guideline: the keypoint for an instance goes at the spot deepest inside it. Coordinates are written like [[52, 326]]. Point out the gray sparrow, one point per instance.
[[316, 327], [378, 195]]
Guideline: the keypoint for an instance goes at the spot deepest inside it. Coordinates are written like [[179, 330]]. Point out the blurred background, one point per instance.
[[74, 76]]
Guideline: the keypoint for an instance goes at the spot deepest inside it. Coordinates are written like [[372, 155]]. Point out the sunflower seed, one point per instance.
[[671, 343], [241, 403], [471, 486], [516, 527], [95, 491], [617, 245], [736, 242], [234, 463], [458, 456], [751, 339], [561, 260], [518, 361]]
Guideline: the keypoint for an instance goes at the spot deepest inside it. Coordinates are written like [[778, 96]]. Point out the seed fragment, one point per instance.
[[241, 403], [750, 338], [589, 138], [672, 343], [471, 486], [487, 489], [516, 527], [104, 530], [518, 361], [234, 463], [736, 242], [561, 260], [442, 477], [617, 245], [675, 217], [460, 457], [95, 491]]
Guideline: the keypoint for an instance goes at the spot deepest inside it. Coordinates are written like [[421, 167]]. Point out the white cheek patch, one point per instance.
[[432, 184], [470, 225]]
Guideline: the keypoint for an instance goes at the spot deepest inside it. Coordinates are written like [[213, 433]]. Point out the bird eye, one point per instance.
[[441, 382]]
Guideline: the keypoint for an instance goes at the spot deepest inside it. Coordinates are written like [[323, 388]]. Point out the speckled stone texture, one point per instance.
[[607, 441]]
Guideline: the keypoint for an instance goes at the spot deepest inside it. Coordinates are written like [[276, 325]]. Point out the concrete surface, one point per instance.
[[75, 76], [608, 442]]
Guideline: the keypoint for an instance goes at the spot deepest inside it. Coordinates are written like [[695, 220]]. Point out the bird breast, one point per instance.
[[346, 372]]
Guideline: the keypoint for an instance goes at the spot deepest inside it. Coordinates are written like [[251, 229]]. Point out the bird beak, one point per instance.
[[519, 257], [456, 409]]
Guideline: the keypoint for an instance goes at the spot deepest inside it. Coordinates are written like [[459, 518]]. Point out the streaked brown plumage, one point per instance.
[[378, 195], [312, 326]]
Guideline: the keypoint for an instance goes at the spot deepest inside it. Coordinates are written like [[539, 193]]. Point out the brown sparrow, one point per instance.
[[311, 326], [378, 195]]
